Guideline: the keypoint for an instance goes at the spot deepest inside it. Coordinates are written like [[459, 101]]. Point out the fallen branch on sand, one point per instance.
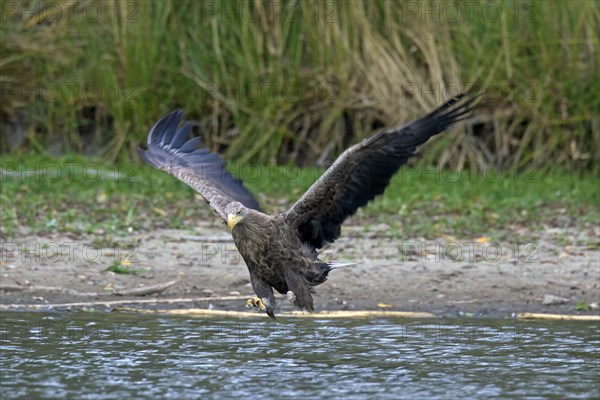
[[139, 291], [565, 317], [146, 290], [293, 314], [113, 303], [39, 288]]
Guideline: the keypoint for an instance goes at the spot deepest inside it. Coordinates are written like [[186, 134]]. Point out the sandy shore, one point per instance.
[[446, 276]]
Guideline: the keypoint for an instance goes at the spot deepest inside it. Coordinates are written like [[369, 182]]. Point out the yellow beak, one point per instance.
[[233, 219]]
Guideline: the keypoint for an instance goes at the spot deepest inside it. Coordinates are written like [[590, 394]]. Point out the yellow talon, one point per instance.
[[255, 302], [251, 303]]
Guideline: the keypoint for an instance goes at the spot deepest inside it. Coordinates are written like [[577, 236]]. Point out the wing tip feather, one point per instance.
[[168, 146]]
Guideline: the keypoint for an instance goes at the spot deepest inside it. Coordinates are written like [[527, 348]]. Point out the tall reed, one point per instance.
[[290, 81]]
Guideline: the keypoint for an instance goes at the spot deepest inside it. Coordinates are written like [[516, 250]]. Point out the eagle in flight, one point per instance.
[[280, 250]]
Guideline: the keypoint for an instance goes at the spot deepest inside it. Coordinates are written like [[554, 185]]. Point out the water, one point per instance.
[[116, 356]]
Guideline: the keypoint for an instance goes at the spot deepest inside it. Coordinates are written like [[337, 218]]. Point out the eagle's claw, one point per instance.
[[255, 302]]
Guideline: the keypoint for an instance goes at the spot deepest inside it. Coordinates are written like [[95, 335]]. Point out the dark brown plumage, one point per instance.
[[281, 250]]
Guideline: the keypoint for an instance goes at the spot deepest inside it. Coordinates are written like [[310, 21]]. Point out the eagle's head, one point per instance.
[[235, 212]]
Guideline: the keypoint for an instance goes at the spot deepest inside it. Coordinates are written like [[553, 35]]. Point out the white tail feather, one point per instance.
[[342, 265]]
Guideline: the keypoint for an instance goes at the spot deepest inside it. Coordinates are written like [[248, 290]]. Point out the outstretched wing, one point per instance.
[[170, 151], [363, 171]]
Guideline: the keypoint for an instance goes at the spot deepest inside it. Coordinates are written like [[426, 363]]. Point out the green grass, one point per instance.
[[419, 202], [124, 267], [275, 86]]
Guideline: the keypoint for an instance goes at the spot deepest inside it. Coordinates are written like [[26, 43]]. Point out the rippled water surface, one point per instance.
[[116, 356]]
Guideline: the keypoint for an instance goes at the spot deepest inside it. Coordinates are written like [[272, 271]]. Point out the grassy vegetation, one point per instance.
[[298, 81], [75, 195]]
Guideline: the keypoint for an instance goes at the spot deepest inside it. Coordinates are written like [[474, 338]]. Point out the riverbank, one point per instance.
[[557, 273], [77, 231]]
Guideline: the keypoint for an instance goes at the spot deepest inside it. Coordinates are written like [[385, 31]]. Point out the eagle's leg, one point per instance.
[[300, 289], [264, 299]]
